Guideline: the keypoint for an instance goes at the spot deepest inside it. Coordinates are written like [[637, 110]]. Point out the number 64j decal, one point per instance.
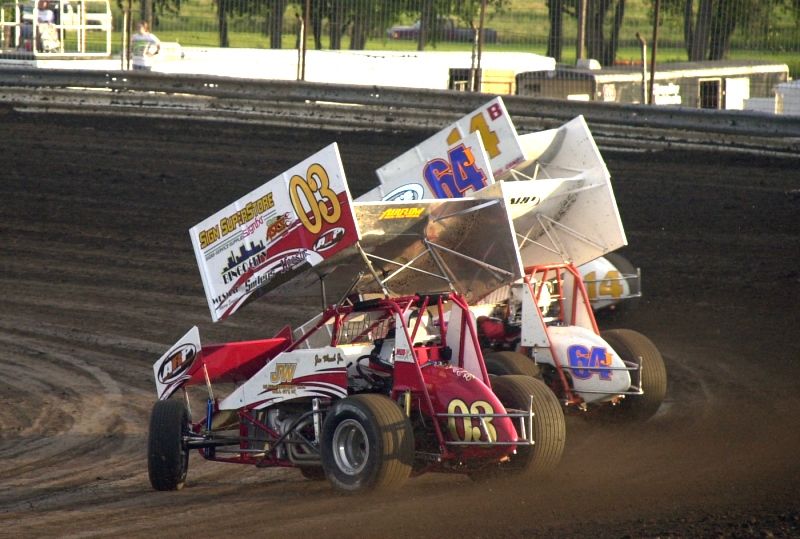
[[313, 200], [468, 429]]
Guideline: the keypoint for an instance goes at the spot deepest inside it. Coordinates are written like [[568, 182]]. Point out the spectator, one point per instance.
[[145, 47], [45, 15], [46, 33]]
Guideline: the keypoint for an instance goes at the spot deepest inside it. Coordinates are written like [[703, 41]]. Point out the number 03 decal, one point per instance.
[[462, 428], [313, 195]]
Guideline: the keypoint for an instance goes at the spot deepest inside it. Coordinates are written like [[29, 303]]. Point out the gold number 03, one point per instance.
[[472, 433], [304, 191]]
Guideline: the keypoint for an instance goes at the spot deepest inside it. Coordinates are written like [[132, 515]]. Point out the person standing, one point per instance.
[[145, 46]]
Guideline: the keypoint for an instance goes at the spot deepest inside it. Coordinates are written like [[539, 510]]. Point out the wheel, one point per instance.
[[367, 444], [503, 363], [631, 345], [549, 427], [167, 452]]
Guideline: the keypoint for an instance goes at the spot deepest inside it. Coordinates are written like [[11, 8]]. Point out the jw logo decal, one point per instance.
[[586, 362], [283, 373], [455, 176]]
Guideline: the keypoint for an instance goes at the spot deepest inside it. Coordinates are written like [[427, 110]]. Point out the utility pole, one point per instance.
[[656, 10], [581, 41], [643, 45], [476, 72]]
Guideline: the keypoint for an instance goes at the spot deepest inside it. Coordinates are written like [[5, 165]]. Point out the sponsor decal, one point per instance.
[[402, 213], [231, 222], [284, 372], [267, 270], [248, 257], [531, 201], [463, 373], [408, 192], [281, 379], [278, 226], [176, 364], [328, 358], [329, 239], [585, 362]]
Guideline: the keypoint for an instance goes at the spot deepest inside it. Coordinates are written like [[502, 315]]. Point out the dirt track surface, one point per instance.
[[97, 279]]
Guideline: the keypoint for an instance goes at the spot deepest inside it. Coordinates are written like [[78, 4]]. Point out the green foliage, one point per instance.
[[763, 27]]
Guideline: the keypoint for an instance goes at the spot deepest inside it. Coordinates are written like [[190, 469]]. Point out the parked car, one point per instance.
[[445, 29]]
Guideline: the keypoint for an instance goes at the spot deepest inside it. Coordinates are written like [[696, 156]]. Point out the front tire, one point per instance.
[[367, 444], [549, 426], [167, 452], [503, 363], [631, 345]]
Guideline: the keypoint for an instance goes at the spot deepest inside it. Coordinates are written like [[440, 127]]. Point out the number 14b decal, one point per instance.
[[452, 178]]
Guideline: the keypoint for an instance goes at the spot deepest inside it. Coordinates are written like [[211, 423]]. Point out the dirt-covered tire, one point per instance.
[[506, 362], [367, 444], [167, 452], [549, 427], [631, 345]]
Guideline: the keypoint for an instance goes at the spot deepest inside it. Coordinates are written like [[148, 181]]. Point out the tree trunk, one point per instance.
[[146, 13], [722, 26], [222, 21], [688, 27], [317, 7], [275, 24], [595, 14], [359, 32], [701, 31], [336, 18], [610, 50], [555, 9], [426, 22]]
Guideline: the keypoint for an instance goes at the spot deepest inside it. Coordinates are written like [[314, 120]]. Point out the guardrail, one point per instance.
[[383, 108]]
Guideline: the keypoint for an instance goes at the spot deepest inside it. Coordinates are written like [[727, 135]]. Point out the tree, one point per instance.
[[150, 9], [709, 25], [275, 15], [598, 46], [555, 12]]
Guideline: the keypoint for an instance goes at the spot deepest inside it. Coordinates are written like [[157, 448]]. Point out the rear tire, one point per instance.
[[631, 345], [503, 363], [167, 452], [367, 444], [549, 426]]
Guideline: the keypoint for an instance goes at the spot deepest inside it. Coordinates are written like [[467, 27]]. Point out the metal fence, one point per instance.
[[744, 38], [687, 29]]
